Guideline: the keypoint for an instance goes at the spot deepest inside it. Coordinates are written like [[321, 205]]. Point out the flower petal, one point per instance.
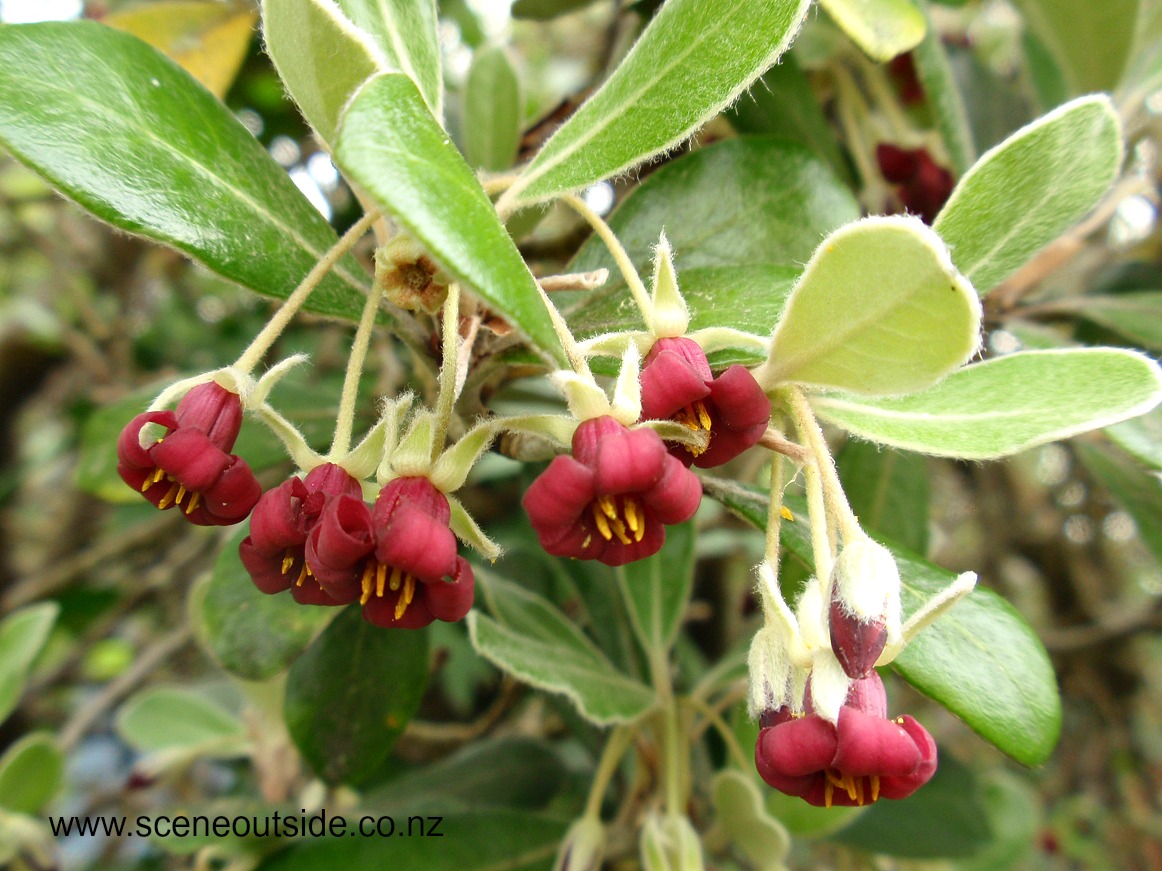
[[872, 745]]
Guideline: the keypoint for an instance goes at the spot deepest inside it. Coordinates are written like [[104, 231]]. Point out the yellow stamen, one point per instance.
[[181, 495], [608, 506], [167, 499], [633, 518], [396, 577], [303, 572], [195, 500], [619, 528], [875, 788], [287, 562], [380, 578], [368, 571], [405, 598], [703, 415], [786, 514], [588, 541], [828, 792], [859, 791], [602, 524]]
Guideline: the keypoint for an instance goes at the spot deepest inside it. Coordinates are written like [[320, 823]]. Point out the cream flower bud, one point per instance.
[[583, 846]]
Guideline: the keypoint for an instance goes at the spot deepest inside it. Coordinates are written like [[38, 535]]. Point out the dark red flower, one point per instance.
[[859, 759], [397, 559], [902, 69], [677, 385], [610, 500], [192, 458], [922, 185], [275, 551]]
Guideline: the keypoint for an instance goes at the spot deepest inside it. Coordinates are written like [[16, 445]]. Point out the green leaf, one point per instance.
[[1027, 191], [391, 146], [739, 808], [170, 718], [1014, 817], [483, 841], [658, 589], [943, 93], [30, 773], [947, 818], [1007, 404], [981, 660], [882, 28], [129, 135], [538, 644], [1091, 41], [251, 634], [1135, 315], [692, 60], [1141, 437], [879, 310], [492, 110], [22, 635], [748, 298], [406, 32], [321, 57], [352, 693], [888, 491], [784, 104], [746, 201], [1135, 488], [513, 772], [543, 10]]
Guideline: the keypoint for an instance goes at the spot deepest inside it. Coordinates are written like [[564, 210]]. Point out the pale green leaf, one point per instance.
[[543, 10], [22, 635], [30, 773], [981, 660], [692, 60], [1027, 191], [492, 110], [1005, 405], [1142, 437], [658, 589], [1136, 315], [1137, 489], [406, 31], [321, 57], [129, 135], [882, 28], [392, 147], [935, 73], [879, 310], [537, 644], [251, 634], [1091, 41], [739, 808], [171, 718], [352, 693]]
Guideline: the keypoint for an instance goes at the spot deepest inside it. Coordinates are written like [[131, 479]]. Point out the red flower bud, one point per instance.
[[275, 551], [611, 499], [922, 185], [677, 385], [859, 759], [190, 465]]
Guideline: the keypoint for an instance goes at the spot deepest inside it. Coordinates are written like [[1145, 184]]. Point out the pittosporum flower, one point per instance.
[[190, 464], [864, 609], [677, 384], [922, 185], [275, 551], [397, 559], [612, 498], [855, 761]]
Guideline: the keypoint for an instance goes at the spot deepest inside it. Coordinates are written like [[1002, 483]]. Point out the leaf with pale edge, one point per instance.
[[658, 588], [981, 660], [130, 136], [882, 28], [22, 635], [1031, 188], [996, 408]]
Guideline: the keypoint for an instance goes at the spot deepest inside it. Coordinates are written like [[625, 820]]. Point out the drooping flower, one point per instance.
[[677, 384], [397, 559], [275, 551], [611, 499], [190, 464], [857, 760], [922, 185]]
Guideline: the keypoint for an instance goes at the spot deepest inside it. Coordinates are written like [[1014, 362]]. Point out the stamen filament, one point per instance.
[[303, 572], [368, 571], [195, 500], [396, 577], [287, 562], [380, 578], [181, 495], [875, 788], [602, 524], [405, 598], [167, 499]]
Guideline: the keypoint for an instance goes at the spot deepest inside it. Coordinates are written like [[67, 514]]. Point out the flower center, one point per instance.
[[174, 495], [857, 788], [694, 416], [288, 562], [375, 580], [623, 521]]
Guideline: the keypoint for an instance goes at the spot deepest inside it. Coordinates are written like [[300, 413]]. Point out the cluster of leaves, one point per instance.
[[129, 135]]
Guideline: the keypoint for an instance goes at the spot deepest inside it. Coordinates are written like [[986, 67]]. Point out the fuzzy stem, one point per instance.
[[714, 718], [620, 256], [341, 443], [812, 433], [447, 396], [270, 333], [611, 756], [774, 511]]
